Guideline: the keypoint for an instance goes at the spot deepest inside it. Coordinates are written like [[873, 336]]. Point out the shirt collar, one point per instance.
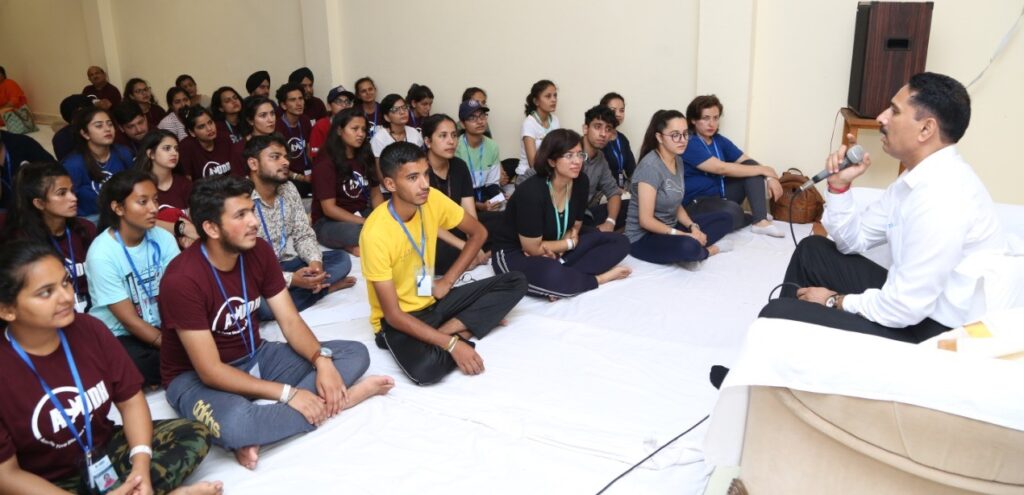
[[930, 166]]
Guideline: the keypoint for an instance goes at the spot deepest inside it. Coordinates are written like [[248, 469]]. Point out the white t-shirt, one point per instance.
[[382, 138], [532, 128]]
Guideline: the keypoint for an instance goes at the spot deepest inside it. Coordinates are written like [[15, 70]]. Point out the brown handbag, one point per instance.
[[807, 206]]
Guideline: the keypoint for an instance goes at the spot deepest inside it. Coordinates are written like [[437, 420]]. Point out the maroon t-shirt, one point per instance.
[[314, 110], [352, 194], [233, 132], [109, 92], [155, 114], [32, 429], [174, 201], [296, 138], [197, 162], [190, 300], [79, 245]]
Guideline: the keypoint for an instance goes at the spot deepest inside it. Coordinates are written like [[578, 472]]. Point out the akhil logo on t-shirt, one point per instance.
[[233, 310], [213, 168], [97, 185], [48, 425], [353, 187], [296, 146]]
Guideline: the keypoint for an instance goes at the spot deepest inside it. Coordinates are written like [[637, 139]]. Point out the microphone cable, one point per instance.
[[617, 478]]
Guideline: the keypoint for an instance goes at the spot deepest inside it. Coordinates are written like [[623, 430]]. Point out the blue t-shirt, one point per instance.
[[698, 182], [85, 188], [111, 278]]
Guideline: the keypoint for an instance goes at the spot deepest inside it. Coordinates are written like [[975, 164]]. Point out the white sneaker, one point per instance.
[[770, 230], [724, 246]]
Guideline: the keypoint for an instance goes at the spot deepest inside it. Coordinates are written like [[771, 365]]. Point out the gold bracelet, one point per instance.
[[451, 344]]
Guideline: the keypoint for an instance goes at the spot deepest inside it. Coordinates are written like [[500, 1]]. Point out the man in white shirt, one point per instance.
[[937, 218]]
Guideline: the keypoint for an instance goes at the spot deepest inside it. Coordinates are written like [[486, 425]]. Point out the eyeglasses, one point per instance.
[[477, 117], [139, 91], [403, 108], [344, 102], [677, 137], [582, 155]]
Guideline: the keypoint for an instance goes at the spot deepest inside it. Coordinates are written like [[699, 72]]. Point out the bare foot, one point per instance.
[[503, 322], [713, 250], [247, 456], [368, 387], [552, 298], [616, 273], [353, 250], [201, 488], [342, 284]]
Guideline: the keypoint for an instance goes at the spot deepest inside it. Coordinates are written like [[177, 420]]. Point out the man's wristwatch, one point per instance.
[[323, 352], [834, 301], [694, 225]]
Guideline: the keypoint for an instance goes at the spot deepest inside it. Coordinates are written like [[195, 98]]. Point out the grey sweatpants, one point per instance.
[[235, 421]]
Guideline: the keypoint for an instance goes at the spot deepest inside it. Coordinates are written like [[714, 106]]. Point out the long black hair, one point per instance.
[[79, 125], [218, 113], [336, 147], [249, 107], [116, 190], [34, 181], [149, 143], [15, 258], [658, 123]]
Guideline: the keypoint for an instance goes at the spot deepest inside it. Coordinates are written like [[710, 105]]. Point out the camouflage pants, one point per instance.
[[179, 445]]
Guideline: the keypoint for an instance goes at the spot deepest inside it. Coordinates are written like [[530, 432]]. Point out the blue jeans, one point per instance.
[[337, 264]]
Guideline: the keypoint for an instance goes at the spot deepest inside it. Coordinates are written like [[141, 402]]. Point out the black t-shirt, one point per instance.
[[20, 150], [458, 184], [531, 213]]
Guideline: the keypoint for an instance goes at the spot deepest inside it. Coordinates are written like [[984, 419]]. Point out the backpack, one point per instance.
[[807, 207]]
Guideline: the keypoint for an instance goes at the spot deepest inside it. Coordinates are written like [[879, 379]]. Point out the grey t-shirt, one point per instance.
[[670, 190], [602, 184]]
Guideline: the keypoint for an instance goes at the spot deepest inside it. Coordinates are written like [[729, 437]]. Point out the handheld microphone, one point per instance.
[[854, 155]]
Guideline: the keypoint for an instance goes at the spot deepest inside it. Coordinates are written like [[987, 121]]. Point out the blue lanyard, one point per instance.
[[155, 263], [376, 113], [717, 154], [87, 448], [561, 224], [72, 263], [617, 153], [305, 156], [421, 248], [412, 117], [284, 231], [251, 346], [8, 170], [231, 132]]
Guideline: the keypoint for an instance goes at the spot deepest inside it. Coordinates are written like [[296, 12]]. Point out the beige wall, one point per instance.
[[781, 66], [802, 51]]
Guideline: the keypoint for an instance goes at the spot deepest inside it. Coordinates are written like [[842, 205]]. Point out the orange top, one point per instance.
[[11, 94]]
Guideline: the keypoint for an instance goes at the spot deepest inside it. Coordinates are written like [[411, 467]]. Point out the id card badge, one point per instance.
[[424, 283], [101, 475], [81, 303]]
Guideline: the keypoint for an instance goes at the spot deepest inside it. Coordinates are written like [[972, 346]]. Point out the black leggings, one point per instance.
[[818, 263], [574, 273]]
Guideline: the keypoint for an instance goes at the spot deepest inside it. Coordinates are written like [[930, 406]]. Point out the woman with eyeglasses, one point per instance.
[[227, 112], [138, 90], [394, 128], [177, 99], [619, 152], [338, 99], [344, 183], [541, 234], [478, 94], [719, 175], [125, 264], [657, 225], [540, 120]]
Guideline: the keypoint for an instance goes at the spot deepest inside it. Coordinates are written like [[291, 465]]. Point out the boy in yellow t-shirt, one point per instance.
[[426, 323]]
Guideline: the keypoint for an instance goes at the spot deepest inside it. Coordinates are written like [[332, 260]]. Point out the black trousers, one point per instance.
[[445, 255], [818, 263], [480, 306], [145, 357]]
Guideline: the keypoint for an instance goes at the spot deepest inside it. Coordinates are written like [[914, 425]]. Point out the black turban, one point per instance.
[[298, 74], [255, 79]]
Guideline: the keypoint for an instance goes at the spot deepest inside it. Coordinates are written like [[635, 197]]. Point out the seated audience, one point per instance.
[[216, 367], [421, 100], [309, 274], [159, 157], [541, 234], [338, 99], [482, 156], [604, 197], [204, 152], [11, 95], [314, 108], [138, 90], [124, 265], [99, 91], [227, 111], [95, 158], [937, 219], [657, 224], [260, 119], [64, 139], [187, 83], [619, 152], [366, 91], [394, 127], [719, 176], [15, 151], [258, 84], [450, 175], [295, 128], [52, 352], [426, 323], [177, 99], [540, 120], [132, 125], [46, 212], [478, 94], [345, 186]]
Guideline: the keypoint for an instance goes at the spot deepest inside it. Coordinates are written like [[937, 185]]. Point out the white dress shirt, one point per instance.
[[938, 220]]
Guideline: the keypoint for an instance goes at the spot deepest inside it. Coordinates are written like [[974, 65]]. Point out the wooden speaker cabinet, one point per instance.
[[890, 44]]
